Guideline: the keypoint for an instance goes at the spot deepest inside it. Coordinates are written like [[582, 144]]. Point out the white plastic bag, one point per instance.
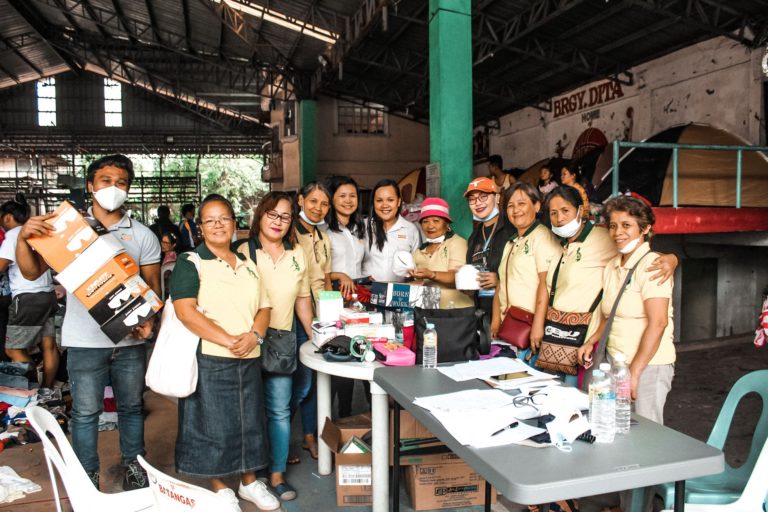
[[172, 369]]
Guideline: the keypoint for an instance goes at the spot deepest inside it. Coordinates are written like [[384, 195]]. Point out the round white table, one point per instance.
[[379, 417]]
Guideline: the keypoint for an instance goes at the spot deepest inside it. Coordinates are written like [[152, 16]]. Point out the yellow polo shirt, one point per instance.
[[630, 321], [230, 297], [450, 255], [285, 280], [580, 278], [317, 253], [523, 259]]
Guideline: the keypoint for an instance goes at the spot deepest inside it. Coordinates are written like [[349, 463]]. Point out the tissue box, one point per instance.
[[80, 270], [138, 310], [350, 316], [73, 234], [329, 306], [403, 295], [106, 279], [370, 330]]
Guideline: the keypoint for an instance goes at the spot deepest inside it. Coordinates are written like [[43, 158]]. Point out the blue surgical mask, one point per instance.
[[490, 216]]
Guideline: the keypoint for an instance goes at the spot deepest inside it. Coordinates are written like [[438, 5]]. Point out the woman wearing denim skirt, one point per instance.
[[282, 268], [218, 295]]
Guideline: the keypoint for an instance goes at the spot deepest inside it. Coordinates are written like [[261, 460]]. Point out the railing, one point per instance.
[[675, 152]]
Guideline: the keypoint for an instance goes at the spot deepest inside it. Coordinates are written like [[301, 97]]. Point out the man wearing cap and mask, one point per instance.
[[486, 243], [92, 359]]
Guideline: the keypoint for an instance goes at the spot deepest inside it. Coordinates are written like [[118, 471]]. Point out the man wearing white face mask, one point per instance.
[[487, 241], [93, 359]]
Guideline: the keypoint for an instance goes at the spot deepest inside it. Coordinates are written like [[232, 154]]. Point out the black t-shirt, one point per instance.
[[486, 251]]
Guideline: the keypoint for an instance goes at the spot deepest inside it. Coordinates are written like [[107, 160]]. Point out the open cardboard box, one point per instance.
[[411, 429], [353, 470], [73, 234]]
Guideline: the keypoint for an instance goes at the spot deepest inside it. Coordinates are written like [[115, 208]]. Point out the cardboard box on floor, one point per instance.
[[353, 471], [411, 429], [73, 234], [447, 484]]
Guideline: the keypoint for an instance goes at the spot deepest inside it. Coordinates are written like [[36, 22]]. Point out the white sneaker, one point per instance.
[[256, 492], [229, 501]]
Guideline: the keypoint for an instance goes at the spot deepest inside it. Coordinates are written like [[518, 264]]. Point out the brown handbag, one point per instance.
[[515, 329], [564, 333]]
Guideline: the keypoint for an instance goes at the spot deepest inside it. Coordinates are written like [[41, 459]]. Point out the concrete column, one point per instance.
[[450, 102], [307, 129]]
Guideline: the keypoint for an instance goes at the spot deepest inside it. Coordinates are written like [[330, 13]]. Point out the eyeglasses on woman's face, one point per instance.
[[284, 218], [480, 197], [221, 220]]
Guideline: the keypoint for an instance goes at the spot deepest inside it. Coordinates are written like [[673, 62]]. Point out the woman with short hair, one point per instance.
[[219, 296], [526, 260], [642, 327]]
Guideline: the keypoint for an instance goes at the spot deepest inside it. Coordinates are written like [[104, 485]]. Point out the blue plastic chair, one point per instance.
[[727, 486]]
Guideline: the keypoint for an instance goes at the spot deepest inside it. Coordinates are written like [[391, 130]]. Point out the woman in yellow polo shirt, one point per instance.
[[642, 328], [314, 202], [525, 261], [216, 436], [586, 250], [283, 269], [441, 255]]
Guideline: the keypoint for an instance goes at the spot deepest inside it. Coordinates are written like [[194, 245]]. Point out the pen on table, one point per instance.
[[511, 425]]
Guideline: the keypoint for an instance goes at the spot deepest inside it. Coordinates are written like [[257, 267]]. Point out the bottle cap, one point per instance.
[[430, 326], [620, 357], [606, 367]]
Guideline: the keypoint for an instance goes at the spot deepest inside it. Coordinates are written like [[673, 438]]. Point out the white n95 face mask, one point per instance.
[[631, 245], [110, 198], [310, 222], [570, 228]]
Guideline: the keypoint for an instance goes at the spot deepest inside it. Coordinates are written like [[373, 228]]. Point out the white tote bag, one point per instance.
[[172, 369]]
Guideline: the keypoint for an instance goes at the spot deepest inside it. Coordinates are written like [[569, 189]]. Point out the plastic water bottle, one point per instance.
[[602, 407], [622, 383], [429, 348]]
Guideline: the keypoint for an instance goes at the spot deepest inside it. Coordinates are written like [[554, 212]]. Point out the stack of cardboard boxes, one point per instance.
[[93, 266], [434, 481]]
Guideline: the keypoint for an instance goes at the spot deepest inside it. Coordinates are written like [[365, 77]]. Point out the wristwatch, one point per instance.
[[259, 338]]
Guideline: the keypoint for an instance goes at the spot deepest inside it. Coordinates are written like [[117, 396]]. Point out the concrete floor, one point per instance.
[[704, 374]]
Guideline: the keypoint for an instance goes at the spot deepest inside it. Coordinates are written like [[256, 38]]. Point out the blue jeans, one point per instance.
[[277, 402], [90, 370], [304, 395]]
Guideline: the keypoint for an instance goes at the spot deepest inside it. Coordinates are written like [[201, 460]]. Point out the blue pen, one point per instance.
[[510, 426]]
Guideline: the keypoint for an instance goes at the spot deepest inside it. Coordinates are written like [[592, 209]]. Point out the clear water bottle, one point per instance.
[[622, 383], [602, 407], [429, 347]]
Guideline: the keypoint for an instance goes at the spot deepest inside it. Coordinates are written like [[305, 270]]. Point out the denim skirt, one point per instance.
[[222, 426]]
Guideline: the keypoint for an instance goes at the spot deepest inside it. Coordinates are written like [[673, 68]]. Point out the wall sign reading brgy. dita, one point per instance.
[[587, 98]]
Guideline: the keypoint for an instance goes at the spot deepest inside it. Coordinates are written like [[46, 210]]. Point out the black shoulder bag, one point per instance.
[[278, 352], [462, 334]]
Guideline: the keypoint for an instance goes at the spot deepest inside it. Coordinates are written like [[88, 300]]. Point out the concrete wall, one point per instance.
[[367, 158], [717, 82]]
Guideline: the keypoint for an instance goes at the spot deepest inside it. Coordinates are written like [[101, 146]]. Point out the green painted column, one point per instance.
[[307, 129], [450, 102]]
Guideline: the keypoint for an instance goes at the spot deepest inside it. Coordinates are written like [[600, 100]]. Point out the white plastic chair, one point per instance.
[[172, 495], [751, 499], [82, 494]]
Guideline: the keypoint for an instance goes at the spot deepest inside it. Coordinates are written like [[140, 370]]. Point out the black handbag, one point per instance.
[[463, 334], [278, 352]]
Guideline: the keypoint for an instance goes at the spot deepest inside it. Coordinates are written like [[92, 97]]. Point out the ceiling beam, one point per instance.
[[39, 24], [20, 41]]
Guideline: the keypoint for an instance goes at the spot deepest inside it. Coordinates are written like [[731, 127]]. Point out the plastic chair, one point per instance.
[[728, 486], [82, 494], [172, 495], [753, 497]]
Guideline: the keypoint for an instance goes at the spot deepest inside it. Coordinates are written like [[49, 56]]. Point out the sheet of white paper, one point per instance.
[[480, 424], [483, 369], [467, 400], [556, 399]]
